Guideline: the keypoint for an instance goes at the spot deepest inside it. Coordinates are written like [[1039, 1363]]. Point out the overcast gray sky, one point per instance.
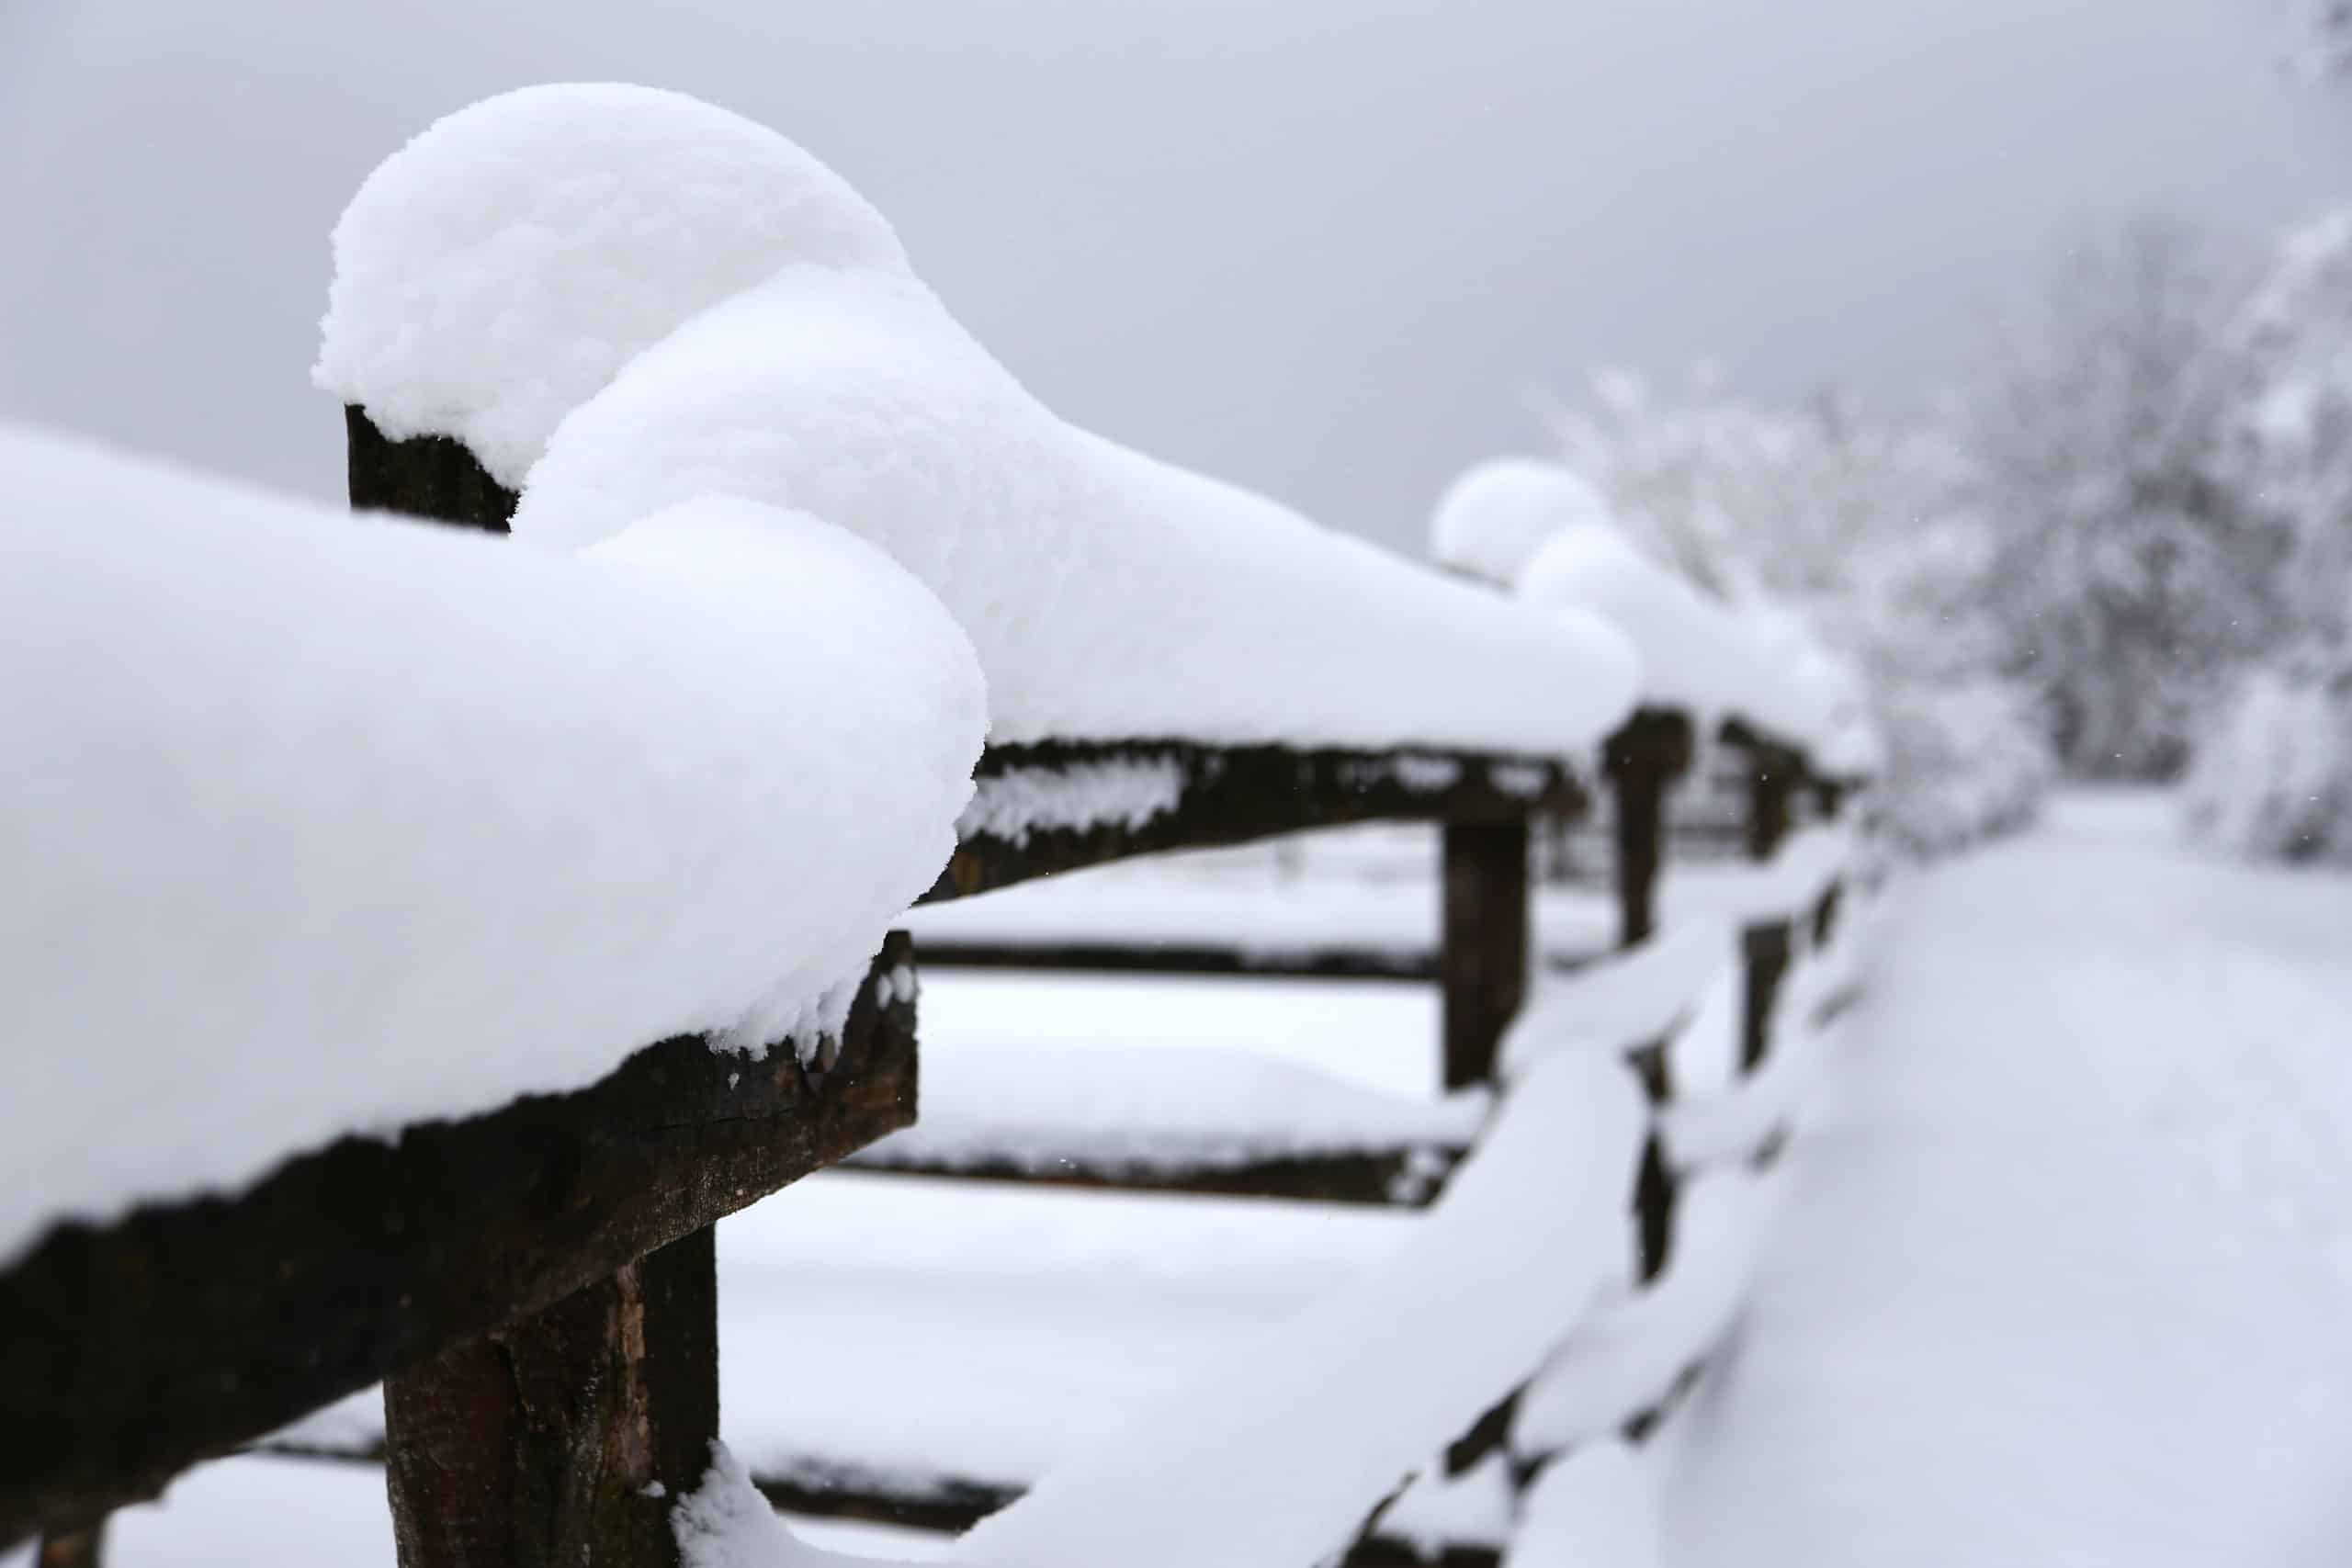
[[1326, 248]]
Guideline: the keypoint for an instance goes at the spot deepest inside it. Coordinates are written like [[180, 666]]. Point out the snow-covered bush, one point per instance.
[[2274, 779], [1964, 761], [2132, 571]]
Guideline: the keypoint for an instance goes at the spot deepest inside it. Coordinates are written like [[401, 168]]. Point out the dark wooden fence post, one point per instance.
[[562, 1439], [1831, 795], [1775, 773], [557, 1440], [1482, 959], [1643, 759], [430, 477]]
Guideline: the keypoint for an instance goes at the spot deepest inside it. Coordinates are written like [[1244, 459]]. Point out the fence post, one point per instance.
[[1642, 761], [1482, 956], [554, 1439], [1830, 796], [1774, 775]]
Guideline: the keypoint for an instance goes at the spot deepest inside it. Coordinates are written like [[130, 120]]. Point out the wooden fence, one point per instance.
[[536, 1288]]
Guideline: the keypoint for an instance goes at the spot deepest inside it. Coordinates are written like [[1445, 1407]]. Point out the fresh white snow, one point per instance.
[[1110, 596], [501, 268], [1123, 792], [1595, 1507], [1046, 1106], [1630, 997], [1696, 652], [1624, 1357], [248, 1513], [1153, 902], [1540, 530], [1281, 1450], [725, 1523], [1496, 516], [260, 1512], [1379, 1035], [1702, 1056], [1789, 884], [1718, 1123], [317, 824], [2064, 1280]]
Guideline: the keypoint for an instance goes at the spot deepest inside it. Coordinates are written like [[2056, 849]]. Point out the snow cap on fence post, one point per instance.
[[1496, 516], [1755, 662], [502, 266]]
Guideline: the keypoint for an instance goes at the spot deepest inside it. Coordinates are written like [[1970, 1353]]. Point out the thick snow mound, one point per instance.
[[1695, 652], [1275, 1456], [1110, 596], [726, 1523], [1787, 885], [1598, 1504], [1624, 1357], [1496, 514], [1630, 998], [319, 825], [1967, 759], [1813, 693], [500, 267]]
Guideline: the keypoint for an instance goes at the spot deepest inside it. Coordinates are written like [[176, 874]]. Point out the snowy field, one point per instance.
[[2064, 1280]]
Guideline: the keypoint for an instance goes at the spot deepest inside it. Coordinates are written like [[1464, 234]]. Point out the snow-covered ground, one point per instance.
[[2065, 1276]]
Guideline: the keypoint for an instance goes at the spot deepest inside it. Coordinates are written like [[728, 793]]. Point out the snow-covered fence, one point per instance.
[[1688, 1058], [327, 842], [1705, 1036], [605, 319]]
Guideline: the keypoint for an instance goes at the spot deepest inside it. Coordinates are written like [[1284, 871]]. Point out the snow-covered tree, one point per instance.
[[2273, 776], [2132, 574], [2291, 428]]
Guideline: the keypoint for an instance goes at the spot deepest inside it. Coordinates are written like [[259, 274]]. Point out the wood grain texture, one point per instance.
[[563, 1438]]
